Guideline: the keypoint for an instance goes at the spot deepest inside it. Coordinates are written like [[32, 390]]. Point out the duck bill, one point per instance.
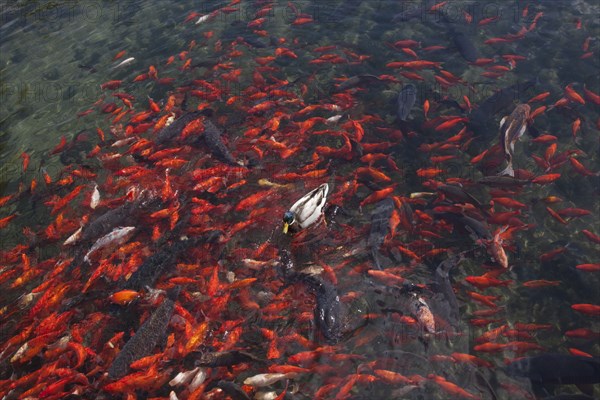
[[285, 228]]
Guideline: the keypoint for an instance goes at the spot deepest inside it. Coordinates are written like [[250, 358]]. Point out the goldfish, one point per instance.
[[588, 309]]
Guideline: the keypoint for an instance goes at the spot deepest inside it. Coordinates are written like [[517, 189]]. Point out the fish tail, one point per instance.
[[508, 170], [375, 255]]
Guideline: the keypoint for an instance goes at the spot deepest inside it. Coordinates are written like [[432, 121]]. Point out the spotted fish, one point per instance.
[[512, 128]]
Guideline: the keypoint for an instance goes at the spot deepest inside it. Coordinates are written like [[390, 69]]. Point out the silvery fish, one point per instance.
[[124, 62], [95, 199], [117, 236], [512, 128]]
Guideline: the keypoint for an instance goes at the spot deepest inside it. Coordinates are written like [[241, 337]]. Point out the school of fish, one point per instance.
[[163, 271]]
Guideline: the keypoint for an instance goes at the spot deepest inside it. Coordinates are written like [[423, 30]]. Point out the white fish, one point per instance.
[[251, 263], [334, 119], [265, 396], [184, 377], [124, 62], [73, 238], [123, 142], [261, 380], [173, 396], [202, 19], [26, 299], [95, 199], [117, 236], [198, 380], [170, 120]]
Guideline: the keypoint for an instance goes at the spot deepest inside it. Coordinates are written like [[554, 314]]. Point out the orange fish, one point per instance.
[[573, 95], [119, 55], [539, 97], [378, 195], [25, 158], [575, 126], [124, 297]]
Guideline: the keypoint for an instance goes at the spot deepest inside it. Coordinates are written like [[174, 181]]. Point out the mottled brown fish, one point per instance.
[[512, 128]]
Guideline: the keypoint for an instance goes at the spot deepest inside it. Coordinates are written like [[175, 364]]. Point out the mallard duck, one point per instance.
[[307, 210]]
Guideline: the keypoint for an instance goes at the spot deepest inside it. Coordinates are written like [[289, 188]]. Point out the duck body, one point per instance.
[[306, 211]]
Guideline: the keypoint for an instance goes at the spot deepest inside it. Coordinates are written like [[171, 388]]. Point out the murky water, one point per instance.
[[54, 57]]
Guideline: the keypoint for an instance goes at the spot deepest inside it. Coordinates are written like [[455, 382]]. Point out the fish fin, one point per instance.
[[522, 131], [502, 121], [508, 171], [173, 293], [587, 389]]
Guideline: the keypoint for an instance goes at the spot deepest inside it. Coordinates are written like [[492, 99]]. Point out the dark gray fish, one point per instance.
[[77, 148], [502, 181], [172, 131], [343, 10], [380, 227], [88, 68], [459, 195], [412, 10], [158, 263], [461, 40], [557, 369], [253, 41], [354, 81], [205, 64], [286, 264], [499, 101], [406, 100], [145, 338], [212, 138], [443, 287], [476, 228], [125, 215], [465, 46], [223, 358], [233, 390], [329, 313]]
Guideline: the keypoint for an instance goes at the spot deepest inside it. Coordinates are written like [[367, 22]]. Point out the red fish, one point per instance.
[[588, 267], [378, 195], [573, 95], [543, 179], [588, 309], [111, 84]]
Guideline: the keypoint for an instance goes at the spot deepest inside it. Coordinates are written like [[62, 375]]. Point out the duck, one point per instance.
[[306, 211]]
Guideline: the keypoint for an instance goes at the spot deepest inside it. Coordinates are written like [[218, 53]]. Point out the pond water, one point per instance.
[[177, 134]]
